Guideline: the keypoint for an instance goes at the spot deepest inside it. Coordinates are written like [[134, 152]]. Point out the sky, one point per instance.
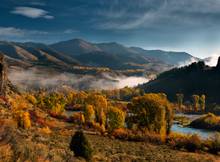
[[175, 25]]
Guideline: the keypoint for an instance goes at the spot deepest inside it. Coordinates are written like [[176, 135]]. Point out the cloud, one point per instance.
[[32, 12], [158, 13], [17, 32], [11, 31], [69, 31]]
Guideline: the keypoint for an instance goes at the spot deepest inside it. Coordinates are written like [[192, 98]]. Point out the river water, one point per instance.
[[188, 130]]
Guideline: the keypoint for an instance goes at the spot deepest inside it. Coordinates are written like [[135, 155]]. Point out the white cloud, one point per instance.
[[17, 32], [32, 12], [11, 31], [140, 15]]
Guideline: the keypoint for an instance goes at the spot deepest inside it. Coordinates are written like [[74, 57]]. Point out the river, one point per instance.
[[188, 130]]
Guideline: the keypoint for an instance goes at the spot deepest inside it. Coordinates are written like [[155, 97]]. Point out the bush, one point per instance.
[[214, 146], [120, 133], [31, 99], [23, 119], [193, 143], [116, 118], [188, 142], [98, 127], [80, 145], [78, 118]]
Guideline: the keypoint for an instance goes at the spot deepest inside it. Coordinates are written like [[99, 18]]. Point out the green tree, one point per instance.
[[81, 146]]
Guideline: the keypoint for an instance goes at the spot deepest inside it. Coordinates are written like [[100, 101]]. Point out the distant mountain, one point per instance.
[[75, 47], [196, 78], [112, 55], [66, 54], [169, 57], [120, 55]]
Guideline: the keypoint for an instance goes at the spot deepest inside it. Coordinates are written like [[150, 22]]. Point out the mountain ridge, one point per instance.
[[78, 52]]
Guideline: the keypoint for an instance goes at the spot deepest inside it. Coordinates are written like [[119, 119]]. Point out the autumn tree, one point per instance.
[[89, 114], [152, 111], [116, 118], [195, 99], [202, 102], [100, 105]]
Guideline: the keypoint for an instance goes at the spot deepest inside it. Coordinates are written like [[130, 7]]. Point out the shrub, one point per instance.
[[23, 119], [80, 145], [45, 130], [188, 142], [214, 144], [98, 127], [193, 143], [31, 99], [57, 109], [116, 118], [78, 118], [120, 133]]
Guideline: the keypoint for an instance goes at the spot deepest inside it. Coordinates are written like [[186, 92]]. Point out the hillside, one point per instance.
[[196, 78]]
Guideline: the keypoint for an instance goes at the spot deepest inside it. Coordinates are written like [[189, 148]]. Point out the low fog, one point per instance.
[[34, 79], [210, 61]]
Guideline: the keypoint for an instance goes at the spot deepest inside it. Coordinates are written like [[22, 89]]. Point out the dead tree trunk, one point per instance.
[[3, 76]]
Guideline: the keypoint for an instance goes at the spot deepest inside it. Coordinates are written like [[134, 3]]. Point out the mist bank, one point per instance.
[[34, 79], [210, 61]]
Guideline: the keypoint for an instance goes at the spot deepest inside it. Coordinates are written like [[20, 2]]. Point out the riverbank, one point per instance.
[[181, 125], [208, 121]]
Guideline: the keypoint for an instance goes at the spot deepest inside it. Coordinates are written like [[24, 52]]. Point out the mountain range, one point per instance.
[[65, 55]]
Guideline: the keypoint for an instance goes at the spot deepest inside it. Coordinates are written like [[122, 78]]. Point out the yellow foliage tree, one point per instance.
[[195, 99], [100, 105], [26, 120], [152, 111], [89, 114]]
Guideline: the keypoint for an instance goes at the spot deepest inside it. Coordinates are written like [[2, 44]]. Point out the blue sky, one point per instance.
[[180, 25]]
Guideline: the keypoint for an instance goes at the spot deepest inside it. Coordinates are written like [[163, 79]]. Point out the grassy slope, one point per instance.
[[37, 145]]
